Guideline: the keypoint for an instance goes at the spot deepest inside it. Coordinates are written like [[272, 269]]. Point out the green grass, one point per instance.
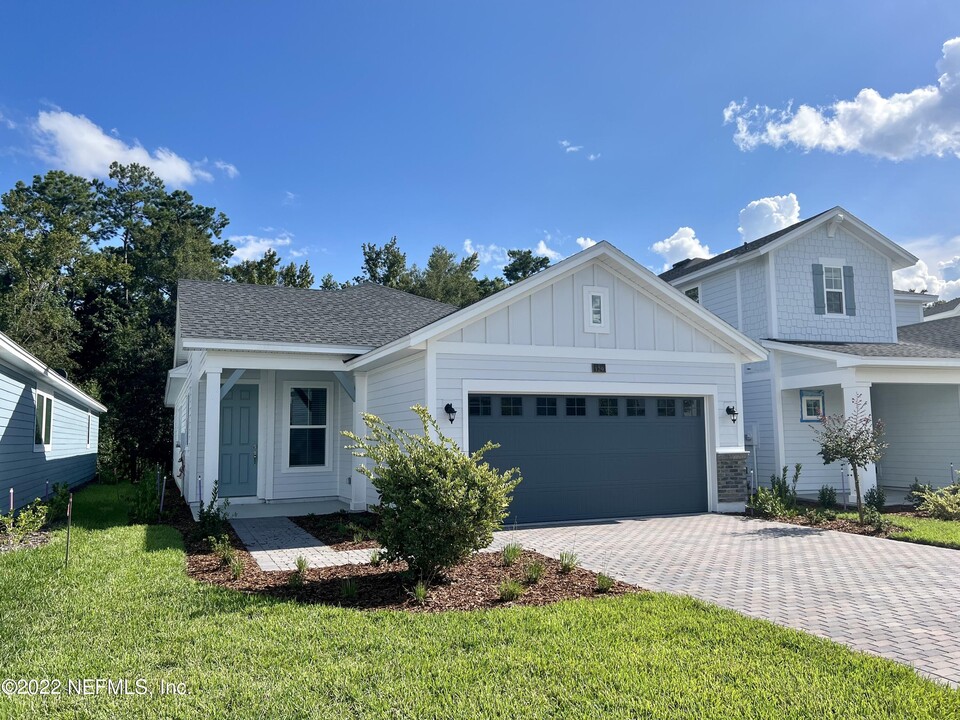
[[126, 609], [926, 531]]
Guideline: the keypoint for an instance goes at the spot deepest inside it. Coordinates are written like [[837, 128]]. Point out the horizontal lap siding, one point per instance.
[[922, 425], [908, 313], [68, 461], [799, 442], [718, 294], [758, 421]]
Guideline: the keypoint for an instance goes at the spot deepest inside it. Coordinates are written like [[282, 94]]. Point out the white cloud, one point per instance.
[[937, 272], [681, 245], [7, 122], [767, 215], [923, 121], [487, 254], [252, 247], [228, 169], [585, 242], [289, 198], [569, 147], [77, 145], [543, 249], [593, 156]]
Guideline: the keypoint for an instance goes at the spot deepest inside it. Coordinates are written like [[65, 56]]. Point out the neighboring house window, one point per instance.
[[307, 427], [693, 293], [833, 292], [89, 424], [609, 407], [811, 405], [511, 405], [577, 406], [43, 426], [692, 407], [480, 405], [636, 407], [596, 310], [666, 407], [546, 406]]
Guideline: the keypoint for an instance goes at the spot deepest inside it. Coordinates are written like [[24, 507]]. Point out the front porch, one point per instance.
[[267, 432]]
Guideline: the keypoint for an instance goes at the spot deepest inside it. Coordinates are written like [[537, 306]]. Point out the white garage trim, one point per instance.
[[526, 387]]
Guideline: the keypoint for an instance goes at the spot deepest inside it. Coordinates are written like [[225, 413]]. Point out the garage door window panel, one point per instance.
[[480, 405], [511, 406], [609, 407], [666, 407], [576, 407], [546, 407], [636, 407]]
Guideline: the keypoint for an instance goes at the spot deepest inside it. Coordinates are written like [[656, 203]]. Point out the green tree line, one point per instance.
[[88, 284]]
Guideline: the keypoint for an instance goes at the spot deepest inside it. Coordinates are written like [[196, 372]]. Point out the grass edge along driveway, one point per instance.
[[126, 610]]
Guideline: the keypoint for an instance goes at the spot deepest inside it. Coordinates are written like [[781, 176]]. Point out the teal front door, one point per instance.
[[238, 441]]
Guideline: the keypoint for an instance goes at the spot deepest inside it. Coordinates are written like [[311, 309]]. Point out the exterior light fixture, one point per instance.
[[451, 412], [732, 412]]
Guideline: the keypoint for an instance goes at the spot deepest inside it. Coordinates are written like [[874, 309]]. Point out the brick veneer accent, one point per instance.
[[732, 477]]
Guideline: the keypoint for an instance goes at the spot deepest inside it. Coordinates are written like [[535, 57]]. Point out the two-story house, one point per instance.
[[819, 297]]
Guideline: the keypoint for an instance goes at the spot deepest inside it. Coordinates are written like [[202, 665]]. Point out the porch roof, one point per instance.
[[932, 339]]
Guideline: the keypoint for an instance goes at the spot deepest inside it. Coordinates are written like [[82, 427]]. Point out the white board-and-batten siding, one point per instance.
[[69, 460]]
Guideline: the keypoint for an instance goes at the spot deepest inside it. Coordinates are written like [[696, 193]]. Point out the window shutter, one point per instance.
[[819, 300], [848, 294]]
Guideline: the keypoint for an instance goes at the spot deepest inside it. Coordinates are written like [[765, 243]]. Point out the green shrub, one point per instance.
[[57, 504], [144, 505], [510, 590], [302, 564], [376, 558], [533, 573], [785, 491], [814, 517], [439, 505], [568, 561], [419, 593], [767, 503], [604, 583], [348, 588], [827, 497], [19, 525], [511, 553], [876, 498], [877, 520], [942, 503], [917, 491], [237, 566], [212, 519], [222, 548], [829, 515], [7, 522]]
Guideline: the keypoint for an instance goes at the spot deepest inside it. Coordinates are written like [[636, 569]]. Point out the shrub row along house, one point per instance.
[[49, 428], [616, 392]]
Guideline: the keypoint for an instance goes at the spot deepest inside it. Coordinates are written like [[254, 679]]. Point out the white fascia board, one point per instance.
[[847, 360], [603, 251], [275, 347], [26, 362], [175, 381], [921, 298]]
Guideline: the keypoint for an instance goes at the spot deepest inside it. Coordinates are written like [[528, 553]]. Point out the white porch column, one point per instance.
[[868, 477], [211, 434], [358, 482]]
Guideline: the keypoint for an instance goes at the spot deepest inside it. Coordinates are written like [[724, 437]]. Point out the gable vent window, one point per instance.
[[693, 293], [596, 309], [833, 288]]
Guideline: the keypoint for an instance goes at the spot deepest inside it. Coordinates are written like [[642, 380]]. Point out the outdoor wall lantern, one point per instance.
[[451, 412], [732, 412]]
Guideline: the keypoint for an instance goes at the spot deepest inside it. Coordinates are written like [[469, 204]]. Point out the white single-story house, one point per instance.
[[614, 393], [49, 428]]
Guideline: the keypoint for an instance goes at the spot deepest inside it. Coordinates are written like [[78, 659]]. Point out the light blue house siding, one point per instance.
[[23, 466]]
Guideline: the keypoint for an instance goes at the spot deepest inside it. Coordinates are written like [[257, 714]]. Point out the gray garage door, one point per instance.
[[595, 457]]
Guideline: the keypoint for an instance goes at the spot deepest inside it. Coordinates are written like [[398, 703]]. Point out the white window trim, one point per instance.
[[36, 408], [331, 414], [589, 292], [819, 395], [834, 263], [699, 290]]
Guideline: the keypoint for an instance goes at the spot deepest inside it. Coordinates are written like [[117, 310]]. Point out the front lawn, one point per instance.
[[125, 609], [927, 531]]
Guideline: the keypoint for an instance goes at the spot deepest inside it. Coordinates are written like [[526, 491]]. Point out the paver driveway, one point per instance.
[[890, 598]]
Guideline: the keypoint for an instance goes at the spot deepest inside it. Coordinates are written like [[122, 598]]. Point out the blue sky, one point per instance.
[[319, 126]]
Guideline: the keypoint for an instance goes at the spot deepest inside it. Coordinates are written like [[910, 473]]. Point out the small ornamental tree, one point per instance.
[[438, 504], [855, 439]]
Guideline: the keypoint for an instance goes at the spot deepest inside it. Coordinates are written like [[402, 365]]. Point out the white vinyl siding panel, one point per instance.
[[757, 419], [718, 294], [799, 442], [754, 300]]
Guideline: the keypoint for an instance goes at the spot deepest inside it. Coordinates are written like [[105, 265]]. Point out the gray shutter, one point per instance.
[[848, 294], [819, 301]]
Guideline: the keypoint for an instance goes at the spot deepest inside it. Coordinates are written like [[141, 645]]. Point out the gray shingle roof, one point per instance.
[[931, 339], [941, 308], [367, 314], [685, 267]]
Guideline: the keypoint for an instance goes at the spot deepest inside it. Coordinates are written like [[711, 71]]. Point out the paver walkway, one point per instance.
[[276, 542], [894, 599]]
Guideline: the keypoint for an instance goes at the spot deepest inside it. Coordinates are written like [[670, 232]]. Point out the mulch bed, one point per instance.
[[474, 585], [840, 524], [33, 540], [338, 530]]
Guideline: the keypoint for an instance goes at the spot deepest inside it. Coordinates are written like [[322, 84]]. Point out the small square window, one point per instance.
[[609, 407], [811, 405], [692, 407], [511, 405], [666, 407], [480, 405], [577, 406], [546, 406], [636, 407]]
